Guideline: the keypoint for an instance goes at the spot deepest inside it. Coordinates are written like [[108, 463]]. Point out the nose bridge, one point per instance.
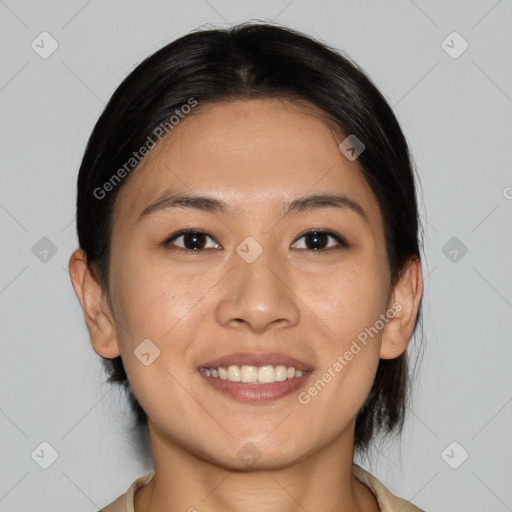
[[257, 266], [257, 294]]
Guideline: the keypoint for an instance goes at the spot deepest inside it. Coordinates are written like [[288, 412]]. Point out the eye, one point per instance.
[[192, 240], [319, 240]]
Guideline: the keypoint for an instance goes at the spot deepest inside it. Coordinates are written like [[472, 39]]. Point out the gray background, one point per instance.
[[456, 114]]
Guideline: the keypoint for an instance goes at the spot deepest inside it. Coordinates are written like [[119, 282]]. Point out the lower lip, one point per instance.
[[246, 392]]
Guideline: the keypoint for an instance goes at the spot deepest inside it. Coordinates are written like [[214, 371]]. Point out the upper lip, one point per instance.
[[256, 359]]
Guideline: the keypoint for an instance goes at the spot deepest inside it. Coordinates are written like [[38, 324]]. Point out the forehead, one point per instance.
[[250, 153]]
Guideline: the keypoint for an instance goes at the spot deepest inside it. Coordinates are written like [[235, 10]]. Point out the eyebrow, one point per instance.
[[213, 205]]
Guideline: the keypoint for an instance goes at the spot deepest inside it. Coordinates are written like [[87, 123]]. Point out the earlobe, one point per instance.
[[404, 303], [97, 314]]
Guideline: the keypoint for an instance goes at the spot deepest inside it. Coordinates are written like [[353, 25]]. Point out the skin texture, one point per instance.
[[197, 305]]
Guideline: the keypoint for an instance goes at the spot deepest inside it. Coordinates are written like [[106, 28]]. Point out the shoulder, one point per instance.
[[125, 502], [388, 502]]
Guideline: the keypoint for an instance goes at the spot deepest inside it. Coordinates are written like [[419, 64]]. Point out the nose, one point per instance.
[[256, 296]]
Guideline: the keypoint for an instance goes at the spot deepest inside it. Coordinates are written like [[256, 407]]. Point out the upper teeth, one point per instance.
[[256, 374]]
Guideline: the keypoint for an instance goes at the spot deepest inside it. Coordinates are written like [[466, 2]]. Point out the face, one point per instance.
[[258, 281]]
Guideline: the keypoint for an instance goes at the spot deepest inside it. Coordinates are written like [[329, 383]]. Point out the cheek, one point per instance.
[[334, 398], [157, 304], [153, 297], [350, 355], [166, 304], [348, 300]]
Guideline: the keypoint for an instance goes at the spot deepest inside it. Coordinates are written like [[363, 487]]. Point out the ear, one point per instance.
[[97, 313], [402, 310]]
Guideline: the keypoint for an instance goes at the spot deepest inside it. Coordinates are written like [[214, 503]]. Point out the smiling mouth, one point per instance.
[[255, 377], [252, 390], [265, 374]]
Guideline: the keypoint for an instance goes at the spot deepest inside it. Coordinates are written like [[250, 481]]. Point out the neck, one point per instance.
[[185, 482]]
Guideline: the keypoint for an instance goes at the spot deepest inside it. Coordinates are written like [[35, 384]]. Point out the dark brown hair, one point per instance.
[[250, 61]]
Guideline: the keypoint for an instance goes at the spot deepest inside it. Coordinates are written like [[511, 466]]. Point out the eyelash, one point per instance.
[[342, 242]]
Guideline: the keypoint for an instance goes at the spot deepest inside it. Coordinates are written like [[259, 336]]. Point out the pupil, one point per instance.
[[193, 241], [317, 240]]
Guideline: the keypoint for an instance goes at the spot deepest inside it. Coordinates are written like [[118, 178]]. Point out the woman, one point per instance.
[[249, 268]]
